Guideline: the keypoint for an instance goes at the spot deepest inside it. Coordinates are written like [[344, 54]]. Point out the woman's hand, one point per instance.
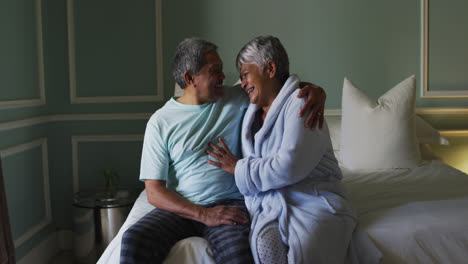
[[315, 104], [227, 160]]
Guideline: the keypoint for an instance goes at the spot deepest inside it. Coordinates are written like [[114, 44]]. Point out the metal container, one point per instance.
[[97, 218]]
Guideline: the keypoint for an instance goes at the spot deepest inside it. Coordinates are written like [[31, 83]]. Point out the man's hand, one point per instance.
[[160, 196], [315, 104], [223, 215], [227, 160]]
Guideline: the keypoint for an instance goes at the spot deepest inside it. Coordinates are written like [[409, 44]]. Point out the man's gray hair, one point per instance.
[[189, 57], [262, 49]]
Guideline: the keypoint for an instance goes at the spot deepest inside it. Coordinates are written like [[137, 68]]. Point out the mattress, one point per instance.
[[410, 216]]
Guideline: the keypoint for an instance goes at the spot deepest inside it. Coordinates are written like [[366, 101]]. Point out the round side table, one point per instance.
[[98, 215]]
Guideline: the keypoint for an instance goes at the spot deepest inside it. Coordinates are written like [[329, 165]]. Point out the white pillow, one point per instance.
[[425, 133], [379, 134], [334, 128]]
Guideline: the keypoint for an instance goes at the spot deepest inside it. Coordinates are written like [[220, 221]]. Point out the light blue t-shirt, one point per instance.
[[176, 138]]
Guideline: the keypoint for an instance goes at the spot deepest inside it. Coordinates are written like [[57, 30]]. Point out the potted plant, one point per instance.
[[111, 177]]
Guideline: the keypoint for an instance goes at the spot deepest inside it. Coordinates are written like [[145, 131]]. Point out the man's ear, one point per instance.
[[271, 69], [188, 77]]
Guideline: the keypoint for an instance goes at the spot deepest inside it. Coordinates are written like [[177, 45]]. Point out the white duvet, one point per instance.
[[411, 216]]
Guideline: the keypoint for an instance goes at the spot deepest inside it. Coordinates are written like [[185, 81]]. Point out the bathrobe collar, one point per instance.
[[291, 84]]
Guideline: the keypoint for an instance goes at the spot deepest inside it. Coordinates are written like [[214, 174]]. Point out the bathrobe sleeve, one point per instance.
[[300, 151]]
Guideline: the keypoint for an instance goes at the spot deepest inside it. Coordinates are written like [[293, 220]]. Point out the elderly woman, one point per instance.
[[289, 175]]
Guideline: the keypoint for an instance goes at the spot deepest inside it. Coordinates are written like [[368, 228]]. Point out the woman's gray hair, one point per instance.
[[189, 57], [262, 49]]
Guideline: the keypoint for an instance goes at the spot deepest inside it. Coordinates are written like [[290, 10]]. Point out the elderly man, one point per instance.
[[193, 198]]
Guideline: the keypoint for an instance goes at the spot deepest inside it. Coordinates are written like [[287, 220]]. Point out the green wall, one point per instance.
[[119, 59], [448, 42], [34, 46], [374, 43]]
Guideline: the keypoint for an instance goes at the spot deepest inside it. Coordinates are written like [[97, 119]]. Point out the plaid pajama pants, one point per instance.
[[150, 239]]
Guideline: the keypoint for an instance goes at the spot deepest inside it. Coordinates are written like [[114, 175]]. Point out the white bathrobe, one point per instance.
[[290, 175]]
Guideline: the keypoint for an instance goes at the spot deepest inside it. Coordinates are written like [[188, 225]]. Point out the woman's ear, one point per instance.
[[188, 77], [271, 69]]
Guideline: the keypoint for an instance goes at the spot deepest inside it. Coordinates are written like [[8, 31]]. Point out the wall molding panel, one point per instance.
[[159, 51], [419, 111], [4, 126], [442, 111], [75, 99], [41, 83], [454, 133], [94, 138], [71, 117], [43, 252], [425, 92], [42, 142]]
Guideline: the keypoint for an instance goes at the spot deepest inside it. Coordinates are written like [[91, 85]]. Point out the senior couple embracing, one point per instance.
[[242, 166]]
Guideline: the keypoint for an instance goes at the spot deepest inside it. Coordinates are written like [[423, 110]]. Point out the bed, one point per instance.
[[405, 215], [411, 216]]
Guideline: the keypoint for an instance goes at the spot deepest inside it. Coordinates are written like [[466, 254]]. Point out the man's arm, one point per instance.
[[162, 197], [315, 104]]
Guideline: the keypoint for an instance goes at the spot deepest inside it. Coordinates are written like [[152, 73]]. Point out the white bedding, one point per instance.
[[412, 216]]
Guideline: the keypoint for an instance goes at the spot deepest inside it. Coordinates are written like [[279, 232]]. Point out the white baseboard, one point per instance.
[[43, 253], [65, 239]]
